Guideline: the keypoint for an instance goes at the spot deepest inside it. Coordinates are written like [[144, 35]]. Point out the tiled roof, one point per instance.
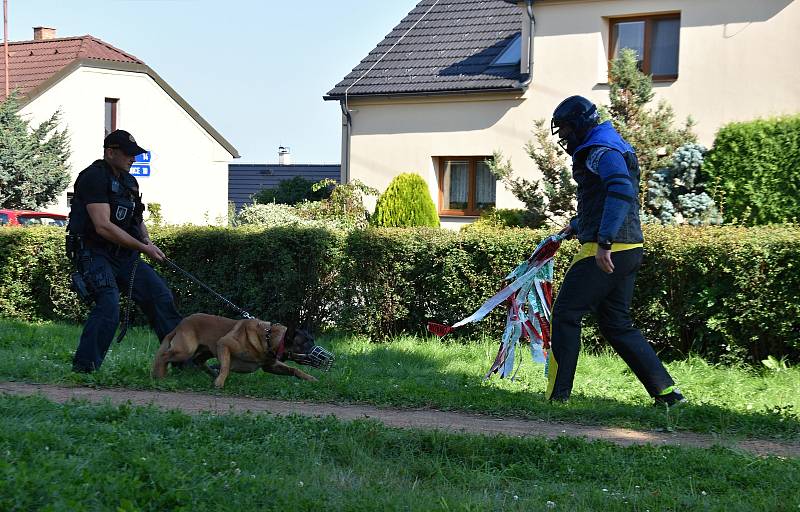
[[244, 180], [31, 63], [450, 50]]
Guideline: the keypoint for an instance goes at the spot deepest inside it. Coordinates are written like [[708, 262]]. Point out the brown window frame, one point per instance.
[[647, 43], [471, 210], [114, 102]]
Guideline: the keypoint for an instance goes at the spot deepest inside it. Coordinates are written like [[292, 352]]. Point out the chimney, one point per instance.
[[284, 156], [43, 33]]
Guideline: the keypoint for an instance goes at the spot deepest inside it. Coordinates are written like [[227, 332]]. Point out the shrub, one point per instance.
[[406, 203], [499, 218], [755, 165], [291, 191], [268, 215], [675, 194], [722, 292]]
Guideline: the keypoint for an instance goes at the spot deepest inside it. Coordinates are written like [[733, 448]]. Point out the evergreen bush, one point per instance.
[[406, 203], [291, 191], [754, 166], [675, 194]]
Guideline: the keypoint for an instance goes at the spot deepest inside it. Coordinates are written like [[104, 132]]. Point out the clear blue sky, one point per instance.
[[256, 70]]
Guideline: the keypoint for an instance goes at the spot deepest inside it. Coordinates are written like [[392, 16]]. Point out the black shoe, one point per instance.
[[672, 399], [82, 368]]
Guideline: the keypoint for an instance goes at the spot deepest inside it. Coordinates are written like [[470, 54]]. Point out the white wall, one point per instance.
[[189, 169], [736, 64]]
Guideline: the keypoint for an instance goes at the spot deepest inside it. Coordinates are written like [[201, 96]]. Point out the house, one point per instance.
[[244, 180], [458, 79], [99, 88]]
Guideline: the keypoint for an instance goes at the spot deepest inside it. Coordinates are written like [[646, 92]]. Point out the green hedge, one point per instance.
[[729, 292], [754, 167]]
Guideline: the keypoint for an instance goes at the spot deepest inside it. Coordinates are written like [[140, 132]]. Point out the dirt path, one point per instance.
[[403, 418]]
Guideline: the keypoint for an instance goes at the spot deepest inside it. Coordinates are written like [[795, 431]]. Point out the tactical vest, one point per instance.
[[591, 191], [126, 209]]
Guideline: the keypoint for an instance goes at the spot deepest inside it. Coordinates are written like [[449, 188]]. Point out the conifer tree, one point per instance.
[[33, 161], [406, 203]]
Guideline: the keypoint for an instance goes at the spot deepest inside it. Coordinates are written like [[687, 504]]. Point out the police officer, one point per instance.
[[106, 234], [602, 275]]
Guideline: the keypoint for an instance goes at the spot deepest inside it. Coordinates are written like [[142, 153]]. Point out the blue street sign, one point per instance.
[[141, 166], [140, 170]]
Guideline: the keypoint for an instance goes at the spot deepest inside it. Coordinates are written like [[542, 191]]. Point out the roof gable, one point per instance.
[[450, 49], [32, 63]]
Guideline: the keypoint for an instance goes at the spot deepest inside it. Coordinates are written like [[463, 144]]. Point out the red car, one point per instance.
[[29, 218]]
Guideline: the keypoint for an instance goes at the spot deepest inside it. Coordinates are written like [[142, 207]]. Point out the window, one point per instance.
[[511, 55], [4, 219], [111, 114], [466, 186], [655, 39]]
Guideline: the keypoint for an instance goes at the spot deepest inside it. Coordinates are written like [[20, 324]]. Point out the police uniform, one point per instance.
[[606, 171], [106, 267]]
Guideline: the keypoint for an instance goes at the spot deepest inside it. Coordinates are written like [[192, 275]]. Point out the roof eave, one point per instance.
[[135, 68], [449, 92]]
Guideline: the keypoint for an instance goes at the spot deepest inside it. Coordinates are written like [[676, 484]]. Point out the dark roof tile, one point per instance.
[[451, 49]]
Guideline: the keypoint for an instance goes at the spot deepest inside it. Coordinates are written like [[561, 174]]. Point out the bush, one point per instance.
[[675, 194], [722, 292], [291, 191], [755, 166], [406, 203], [499, 218]]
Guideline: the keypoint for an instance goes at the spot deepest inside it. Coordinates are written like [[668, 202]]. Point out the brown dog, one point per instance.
[[241, 346]]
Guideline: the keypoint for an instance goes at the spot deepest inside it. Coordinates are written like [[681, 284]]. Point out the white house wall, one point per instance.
[[189, 169], [735, 64]]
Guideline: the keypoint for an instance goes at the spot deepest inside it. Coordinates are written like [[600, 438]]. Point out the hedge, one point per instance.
[[752, 170], [722, 292]]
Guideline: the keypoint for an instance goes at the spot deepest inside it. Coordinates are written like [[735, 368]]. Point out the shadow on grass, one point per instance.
[[407, 373]]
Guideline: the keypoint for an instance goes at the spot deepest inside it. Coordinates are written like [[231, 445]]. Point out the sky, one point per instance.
[[255, 70]]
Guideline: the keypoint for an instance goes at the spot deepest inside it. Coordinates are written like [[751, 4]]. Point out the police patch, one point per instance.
[[121, 213]]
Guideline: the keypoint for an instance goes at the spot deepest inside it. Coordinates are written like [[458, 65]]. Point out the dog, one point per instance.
[[241, 346]]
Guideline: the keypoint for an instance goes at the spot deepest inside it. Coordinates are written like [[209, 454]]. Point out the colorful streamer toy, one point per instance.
[[530, 305]]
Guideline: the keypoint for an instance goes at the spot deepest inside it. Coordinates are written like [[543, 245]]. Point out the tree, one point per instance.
[[33, 161], [649, 131], [552, 200], [406, 202]]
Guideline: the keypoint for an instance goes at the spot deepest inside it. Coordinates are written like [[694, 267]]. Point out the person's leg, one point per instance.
[[613, 316], [583, 288], [154, 298], [98, 331]]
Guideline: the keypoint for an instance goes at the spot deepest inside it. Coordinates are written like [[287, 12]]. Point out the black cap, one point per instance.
[[120, 139]]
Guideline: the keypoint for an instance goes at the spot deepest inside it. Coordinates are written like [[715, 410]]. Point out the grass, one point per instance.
[[409, 372], [78, 456]]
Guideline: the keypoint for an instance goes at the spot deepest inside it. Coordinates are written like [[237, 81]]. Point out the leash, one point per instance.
[[197, 281], [124, 329]]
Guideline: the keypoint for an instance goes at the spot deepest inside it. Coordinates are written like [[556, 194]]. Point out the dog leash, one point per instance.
[[124, 329], [188, 274]]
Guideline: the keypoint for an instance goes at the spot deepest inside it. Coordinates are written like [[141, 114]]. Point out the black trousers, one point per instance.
[[107, 273], [587, 288]]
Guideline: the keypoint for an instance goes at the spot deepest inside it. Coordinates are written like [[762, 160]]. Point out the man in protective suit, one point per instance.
[[602, 275], [106, 234]]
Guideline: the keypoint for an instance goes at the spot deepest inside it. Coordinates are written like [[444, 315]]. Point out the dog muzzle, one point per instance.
[[317, 358]]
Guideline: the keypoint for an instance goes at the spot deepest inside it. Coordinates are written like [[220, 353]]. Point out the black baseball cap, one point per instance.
[[120, 139]]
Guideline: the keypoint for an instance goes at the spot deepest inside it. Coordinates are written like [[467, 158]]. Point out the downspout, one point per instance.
[[527, 64], [346, 132]]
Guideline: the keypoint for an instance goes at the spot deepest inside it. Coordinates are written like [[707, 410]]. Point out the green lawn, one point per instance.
[[410, 372], [102, 457]]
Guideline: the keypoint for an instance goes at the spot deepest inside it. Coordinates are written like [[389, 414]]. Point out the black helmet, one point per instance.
[[572, 120]]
